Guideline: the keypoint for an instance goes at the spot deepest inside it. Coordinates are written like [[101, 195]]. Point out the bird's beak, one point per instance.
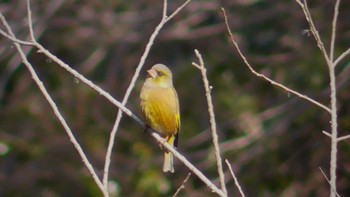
[[152, 73]]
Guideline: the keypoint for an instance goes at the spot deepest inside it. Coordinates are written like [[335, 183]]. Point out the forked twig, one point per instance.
[[182, 186], [313, 29]]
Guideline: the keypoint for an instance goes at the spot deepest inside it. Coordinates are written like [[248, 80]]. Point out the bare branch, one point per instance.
[[314, 31], [327, 134], [177, 10], [55, 109], [208, 88], [235, 179], [341, 57], [164, 20], [165, 9], [15, 39], [87, 82], [339, 138], [182, 185], [31, 29], [325, 176], [343, 138], [190, 166], [334, 29], [266, 78]]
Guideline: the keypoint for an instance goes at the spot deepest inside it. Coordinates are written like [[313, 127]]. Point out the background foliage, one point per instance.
[[273, 139]]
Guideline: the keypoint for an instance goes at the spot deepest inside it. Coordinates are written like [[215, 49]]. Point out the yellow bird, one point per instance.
[[160, 107]]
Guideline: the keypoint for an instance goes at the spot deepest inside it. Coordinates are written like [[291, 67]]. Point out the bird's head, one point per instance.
[[160, 75]]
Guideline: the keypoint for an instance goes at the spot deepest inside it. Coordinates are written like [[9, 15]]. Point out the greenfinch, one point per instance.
[[160, 108]]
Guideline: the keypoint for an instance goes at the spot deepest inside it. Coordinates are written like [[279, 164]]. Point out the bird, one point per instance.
[[160, 108]]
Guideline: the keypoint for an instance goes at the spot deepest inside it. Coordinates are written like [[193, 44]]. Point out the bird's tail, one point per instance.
[[168, 165]]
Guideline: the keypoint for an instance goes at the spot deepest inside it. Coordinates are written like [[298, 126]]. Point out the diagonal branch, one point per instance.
[[325, 176], [182, 185], [343, 138], [55, 109], [341, 57], [235, 178], [266, 78], [15, 39], [189, 165], [314, 31]]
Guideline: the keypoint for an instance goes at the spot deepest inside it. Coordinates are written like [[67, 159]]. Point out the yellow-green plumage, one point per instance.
[[160, 107]]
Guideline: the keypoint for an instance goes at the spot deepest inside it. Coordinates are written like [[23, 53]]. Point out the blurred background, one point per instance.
[[273, 139]]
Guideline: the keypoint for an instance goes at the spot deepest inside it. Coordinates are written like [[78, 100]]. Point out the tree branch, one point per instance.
[[199, 174], [55, 109], [325, 176], [182, 185], [341, 57], [15, 39], [334, 29], [266, 78], [313, 29], [235, 179], [208, 88]]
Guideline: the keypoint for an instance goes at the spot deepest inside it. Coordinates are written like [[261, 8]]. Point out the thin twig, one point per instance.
[[341, 57], [235, 179], [15, 39], [208, 88], [177, 10], [182, 185], [165, 9], [327, 134], [343, 138], [55, 109], [334, 29], [313, 29], [266, 78], [339, 138], [325, 176], [31, 28], [131, 87]]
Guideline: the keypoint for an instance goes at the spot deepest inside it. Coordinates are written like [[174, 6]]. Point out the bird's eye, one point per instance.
[[160, 73]]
